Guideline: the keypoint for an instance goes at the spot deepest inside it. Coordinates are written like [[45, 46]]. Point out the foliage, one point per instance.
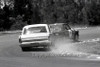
[[48, 11], [27, 9], [94, 14], [19, 23]]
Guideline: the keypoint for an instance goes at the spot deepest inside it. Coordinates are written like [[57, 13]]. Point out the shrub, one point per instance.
[[18, 25]]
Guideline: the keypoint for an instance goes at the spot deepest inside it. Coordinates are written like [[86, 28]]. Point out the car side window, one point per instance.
[[65, 27], [43, 29], [24, 32]]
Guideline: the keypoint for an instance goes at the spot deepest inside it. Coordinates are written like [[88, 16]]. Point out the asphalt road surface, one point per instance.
[[11, 54]]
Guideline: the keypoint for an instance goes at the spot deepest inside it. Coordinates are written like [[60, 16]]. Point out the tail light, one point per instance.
[[20, 41]]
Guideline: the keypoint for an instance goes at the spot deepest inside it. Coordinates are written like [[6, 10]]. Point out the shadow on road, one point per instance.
[[37, 50]]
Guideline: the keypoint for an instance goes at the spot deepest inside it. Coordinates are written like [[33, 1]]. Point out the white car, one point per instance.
[[34, 36]]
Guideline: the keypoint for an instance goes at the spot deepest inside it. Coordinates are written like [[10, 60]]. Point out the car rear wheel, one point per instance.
[[47, 48], [76, 38], [25, 48]]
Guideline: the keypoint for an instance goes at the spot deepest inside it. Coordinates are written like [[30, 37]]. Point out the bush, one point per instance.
[[19, 24]]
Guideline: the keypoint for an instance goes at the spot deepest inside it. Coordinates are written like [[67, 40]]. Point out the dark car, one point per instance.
[[63, 29]]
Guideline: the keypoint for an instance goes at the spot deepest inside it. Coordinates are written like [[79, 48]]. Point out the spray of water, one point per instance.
[[63, 45]]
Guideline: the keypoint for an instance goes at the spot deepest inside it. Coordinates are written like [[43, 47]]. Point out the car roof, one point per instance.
[[58, 24], [35, 25]]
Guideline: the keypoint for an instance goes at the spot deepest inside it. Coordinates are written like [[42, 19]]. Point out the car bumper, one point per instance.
[[36, 43]]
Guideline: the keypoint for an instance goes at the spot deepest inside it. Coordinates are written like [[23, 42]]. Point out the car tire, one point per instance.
[[47, 48], [25, 48], [76, 37]]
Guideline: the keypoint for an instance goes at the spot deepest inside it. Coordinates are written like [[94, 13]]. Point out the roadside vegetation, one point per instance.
[[14, 14]]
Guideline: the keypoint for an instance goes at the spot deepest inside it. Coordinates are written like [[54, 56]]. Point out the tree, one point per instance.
[[94, 14], [28, 9]]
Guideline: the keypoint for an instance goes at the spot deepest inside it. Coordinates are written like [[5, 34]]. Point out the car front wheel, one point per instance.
[[76, 38]]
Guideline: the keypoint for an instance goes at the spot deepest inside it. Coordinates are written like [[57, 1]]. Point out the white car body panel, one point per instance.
[[33, 38]]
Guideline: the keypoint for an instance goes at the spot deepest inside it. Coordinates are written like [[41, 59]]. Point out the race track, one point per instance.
[[11, 54]]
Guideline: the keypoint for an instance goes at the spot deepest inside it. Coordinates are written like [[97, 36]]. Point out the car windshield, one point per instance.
[[56, 28], [40, 29], [59, 27]]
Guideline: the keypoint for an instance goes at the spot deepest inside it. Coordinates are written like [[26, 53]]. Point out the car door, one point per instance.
[[66, 30]]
